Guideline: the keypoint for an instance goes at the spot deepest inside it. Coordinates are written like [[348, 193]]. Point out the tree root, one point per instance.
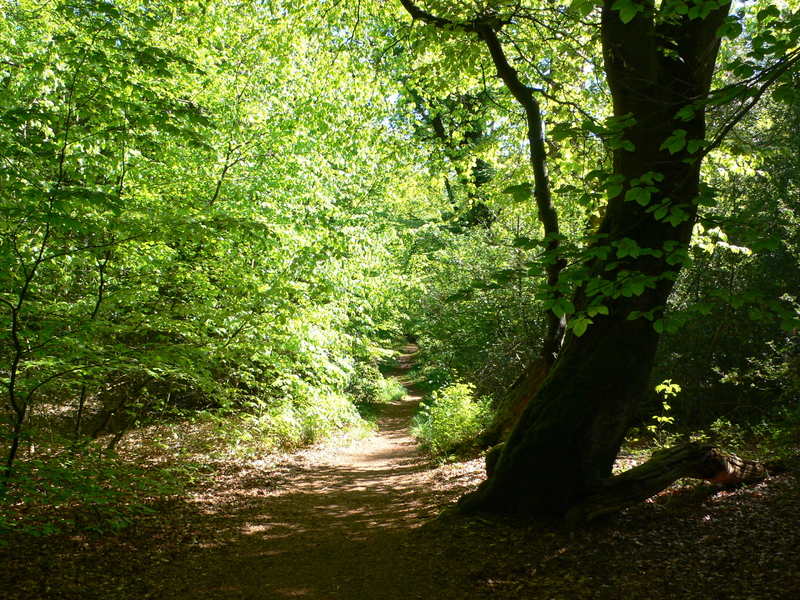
[[689, 460]]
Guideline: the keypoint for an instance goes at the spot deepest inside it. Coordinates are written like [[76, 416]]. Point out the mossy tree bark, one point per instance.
[[568, 436]]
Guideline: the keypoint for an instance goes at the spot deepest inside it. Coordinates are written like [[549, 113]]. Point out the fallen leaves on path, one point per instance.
[[358, 521], [693, 542]]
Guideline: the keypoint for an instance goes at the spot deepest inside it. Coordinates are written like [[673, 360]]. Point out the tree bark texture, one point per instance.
[[690, 460], [568, 436], [514, 401]]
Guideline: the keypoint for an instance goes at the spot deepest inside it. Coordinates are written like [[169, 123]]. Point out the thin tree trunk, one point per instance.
[[84, 388], [16, 435]]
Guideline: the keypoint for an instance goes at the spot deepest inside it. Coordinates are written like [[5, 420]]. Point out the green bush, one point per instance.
[[432, 376], [84, 489], [368, 386], [303, 415], [451, 418], [391, 391]]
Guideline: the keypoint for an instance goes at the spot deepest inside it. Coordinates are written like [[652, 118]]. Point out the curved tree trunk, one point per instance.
[[571, 431], [514, 401], [569, 434]]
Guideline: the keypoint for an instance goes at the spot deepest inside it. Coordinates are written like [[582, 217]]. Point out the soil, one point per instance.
[[359, 520], [339, 526]]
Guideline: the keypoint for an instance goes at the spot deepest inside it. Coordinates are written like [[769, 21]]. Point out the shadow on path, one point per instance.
[[338, 529]]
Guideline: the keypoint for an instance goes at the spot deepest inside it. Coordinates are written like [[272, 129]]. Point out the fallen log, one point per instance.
[[689, 460]]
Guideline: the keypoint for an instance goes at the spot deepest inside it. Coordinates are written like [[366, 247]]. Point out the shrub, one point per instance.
[[368, 386], [430, 377], [306, 414], [451, 418], [82, 488], [391, 391]]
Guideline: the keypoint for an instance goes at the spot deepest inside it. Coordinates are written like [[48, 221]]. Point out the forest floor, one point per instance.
[[357, 520]]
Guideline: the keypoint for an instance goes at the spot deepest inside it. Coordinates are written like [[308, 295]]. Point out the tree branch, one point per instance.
[[547, 213], [420, 15], [689, 460], [754, 99], [486, 26]]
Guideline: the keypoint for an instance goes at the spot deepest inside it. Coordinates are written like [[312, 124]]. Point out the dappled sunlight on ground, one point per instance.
[[356, 520], [333, 528]]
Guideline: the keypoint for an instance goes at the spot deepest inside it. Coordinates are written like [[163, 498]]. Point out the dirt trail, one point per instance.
[[356, 522], [336, 528]]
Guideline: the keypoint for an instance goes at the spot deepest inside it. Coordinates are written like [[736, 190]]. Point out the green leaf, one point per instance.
[[584, 7], [639, 194], [785, 93], [598, 174], [565, 305], [695, 145], [597, 310], [731, 29], [790, 325], [521, 192], [614, 191], [561, 131], [580, 325], [768, 13], [677, 216], [521, 241], [661, 212], [676, 142], [557, 310], [627, 9], [686, 113], [627, 14], [459, 296]]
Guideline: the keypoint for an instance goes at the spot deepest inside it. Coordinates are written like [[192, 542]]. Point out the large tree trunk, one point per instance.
[[514, 401], [568, 436], [571, 431]]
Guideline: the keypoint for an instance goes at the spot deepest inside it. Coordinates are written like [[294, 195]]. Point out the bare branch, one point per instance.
[[778, 70]]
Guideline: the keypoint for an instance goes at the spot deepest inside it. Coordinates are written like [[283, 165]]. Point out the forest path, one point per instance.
[[336, 527], [356, 522]]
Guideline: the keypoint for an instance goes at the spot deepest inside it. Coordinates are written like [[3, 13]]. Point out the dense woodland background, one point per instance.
[[219, 222]]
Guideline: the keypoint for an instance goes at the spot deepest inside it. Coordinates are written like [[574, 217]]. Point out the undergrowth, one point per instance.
[[369, 386], [59, 485], [84, 488], [450, 419], [765, 441]]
